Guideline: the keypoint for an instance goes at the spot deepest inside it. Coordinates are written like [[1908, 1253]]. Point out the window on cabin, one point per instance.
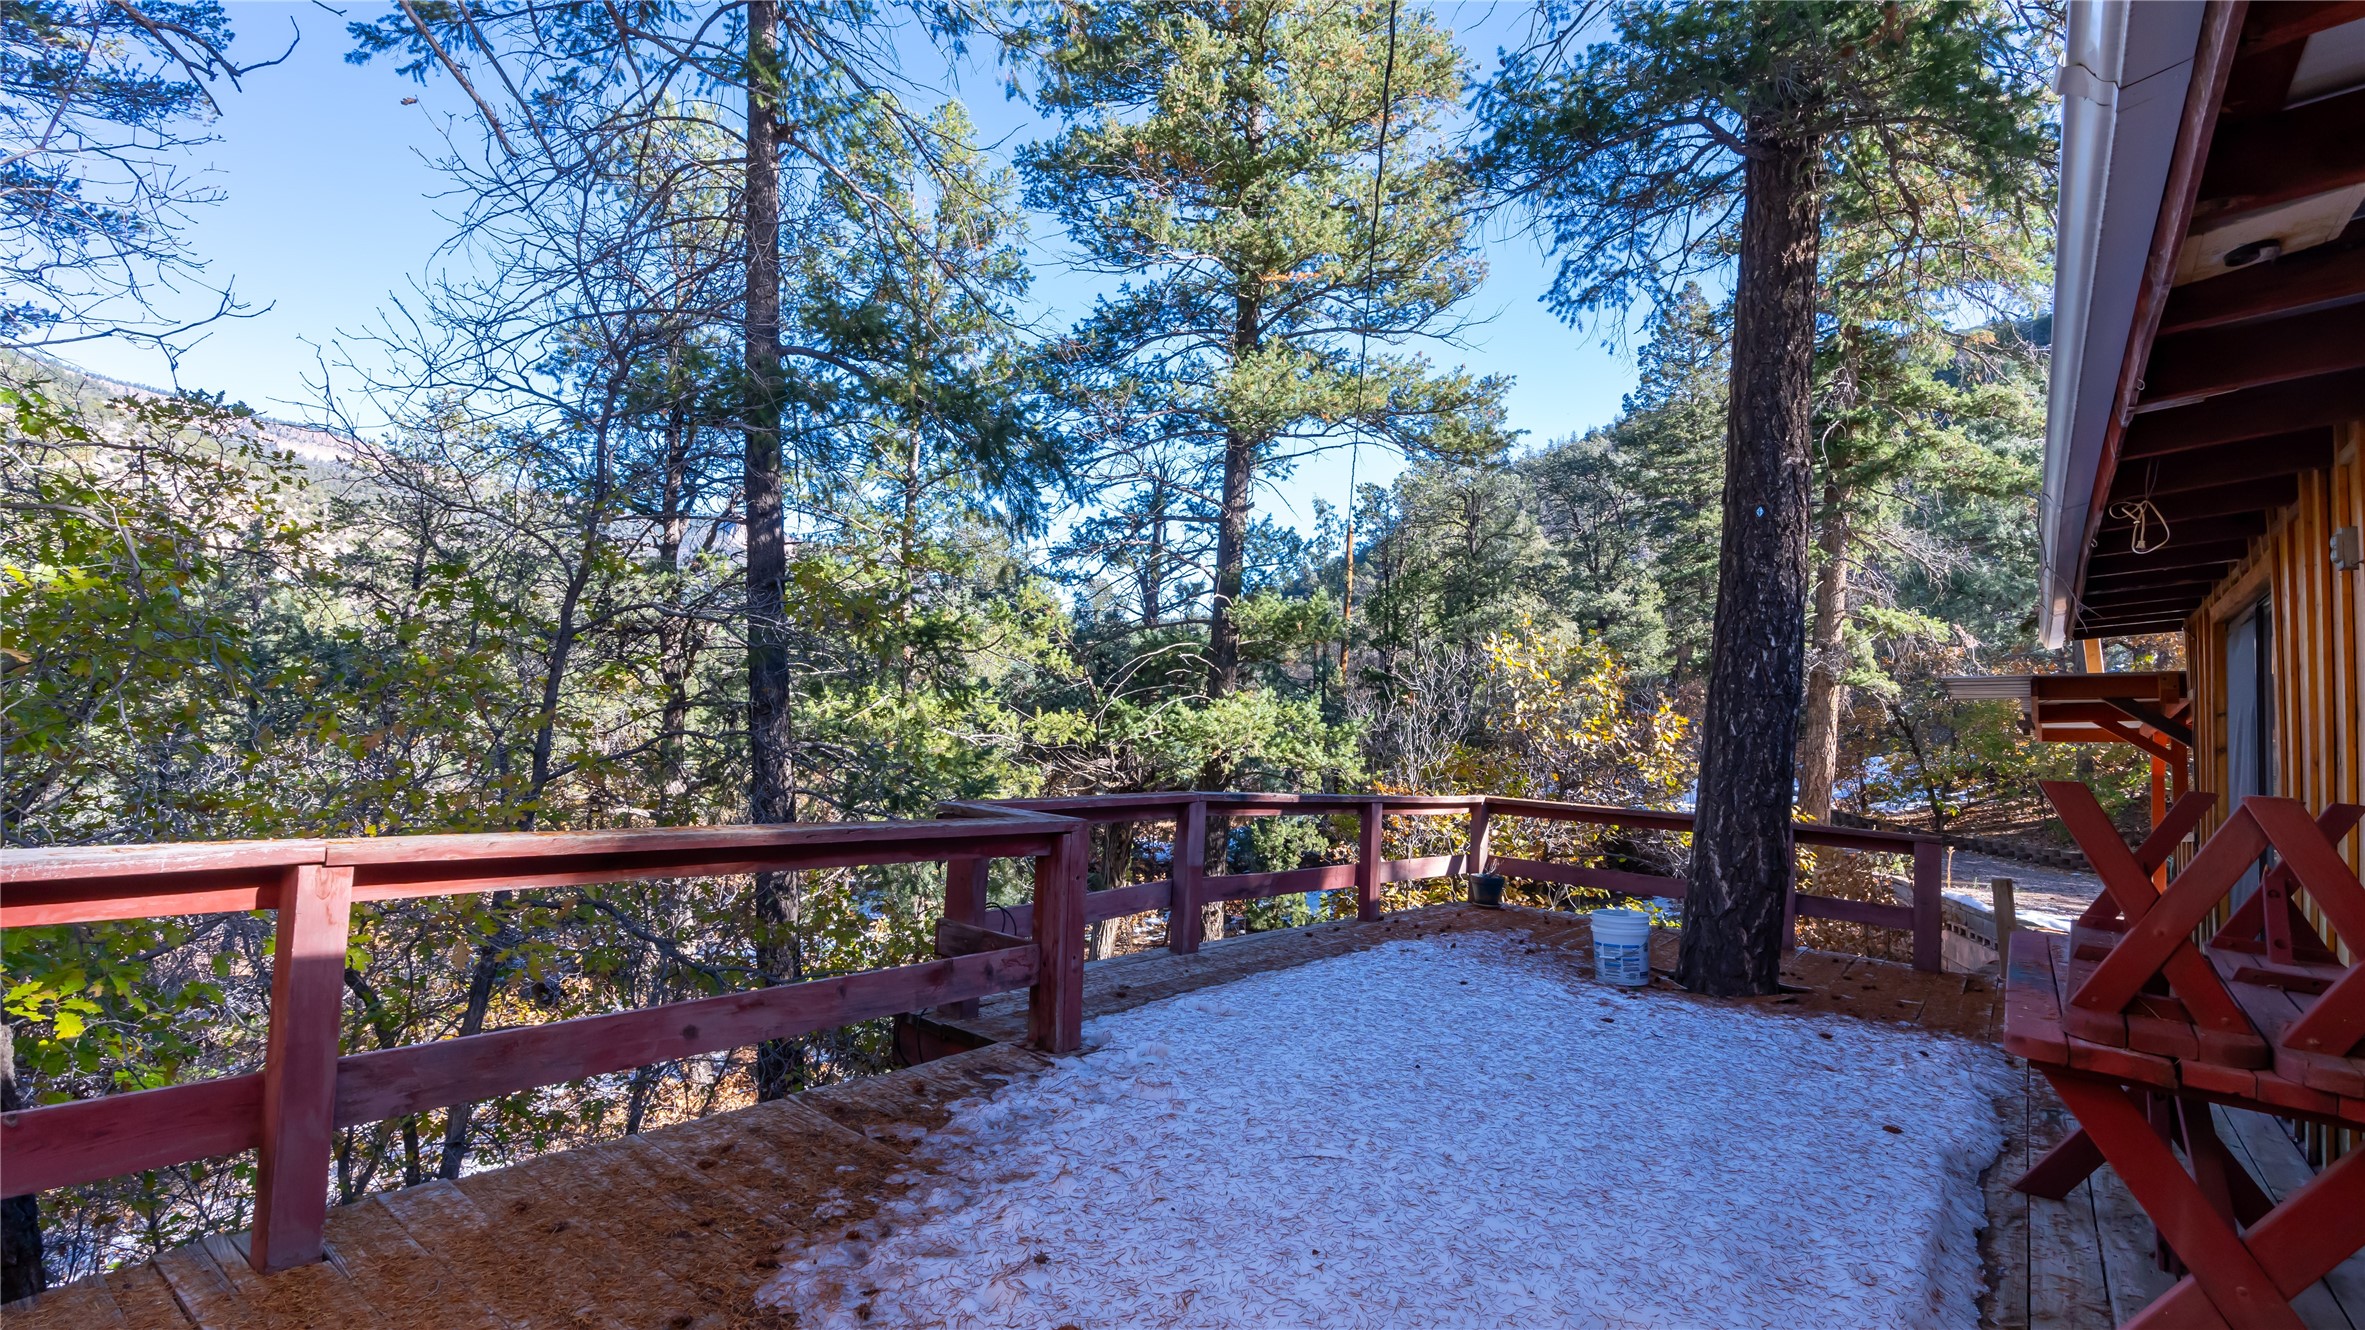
[[2249, 716]]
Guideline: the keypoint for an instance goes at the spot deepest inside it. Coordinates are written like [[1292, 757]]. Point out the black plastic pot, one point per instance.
[[1486, 891]]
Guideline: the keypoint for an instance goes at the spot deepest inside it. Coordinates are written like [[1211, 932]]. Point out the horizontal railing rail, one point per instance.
[[289, 1111], [1923, 917], [307, 1089], [965, 889]]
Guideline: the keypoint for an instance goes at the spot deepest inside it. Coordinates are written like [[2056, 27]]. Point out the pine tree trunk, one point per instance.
[[678, 634], [1216, 863], [1153, 568], [1223, 633], [1113, 853], [1741, 846], [21, 1273], [1231, 529], [1827, 695], [1231, 549], [771, 736]]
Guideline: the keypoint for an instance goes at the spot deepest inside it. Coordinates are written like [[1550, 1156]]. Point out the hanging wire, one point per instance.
[[1371, 255], [2143, 515]]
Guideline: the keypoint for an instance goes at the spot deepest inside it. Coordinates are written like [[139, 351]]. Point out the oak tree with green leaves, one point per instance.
[[1703, 139]]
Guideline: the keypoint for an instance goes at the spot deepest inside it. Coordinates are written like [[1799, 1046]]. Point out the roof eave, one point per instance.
[[2124, 85]]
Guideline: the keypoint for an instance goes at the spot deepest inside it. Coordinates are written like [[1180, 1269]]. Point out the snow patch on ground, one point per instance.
[[1445, 1132]]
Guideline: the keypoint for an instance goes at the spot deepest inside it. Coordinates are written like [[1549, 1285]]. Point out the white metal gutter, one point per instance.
[[2122, 84]]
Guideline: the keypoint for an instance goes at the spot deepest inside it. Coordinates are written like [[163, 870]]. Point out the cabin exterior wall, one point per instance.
[[2317, 652], [2317, 649]]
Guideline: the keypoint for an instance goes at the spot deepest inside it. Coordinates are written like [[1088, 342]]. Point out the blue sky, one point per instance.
[[331, 207]]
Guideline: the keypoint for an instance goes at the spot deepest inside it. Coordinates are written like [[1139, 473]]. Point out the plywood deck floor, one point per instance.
[[678, 1228]]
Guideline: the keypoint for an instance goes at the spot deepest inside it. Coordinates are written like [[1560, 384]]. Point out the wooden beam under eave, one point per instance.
[[2181, 606], [2292, 454], [2194, 366], [2260, 84], [2159, 685], [2105, 733], [2263, 161], [2244, 496], [2118, 623], [2128, 623], [2228, 526], [2118, 579], [2098, 590], [2175, 556], [2112, 623], [2132, 627], [2144, 598], [2274, 37], [2265, 27], [2077, 734], [2253, 413], [2133, 574], [2317, 278], [2114, 713], [2138, 621]]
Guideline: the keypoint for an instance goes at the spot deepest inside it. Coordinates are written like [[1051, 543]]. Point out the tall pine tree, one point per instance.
[[1711, 136], [1220, 158]]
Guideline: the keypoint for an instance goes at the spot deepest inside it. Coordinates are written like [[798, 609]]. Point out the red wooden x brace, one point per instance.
[[2237, 1282]]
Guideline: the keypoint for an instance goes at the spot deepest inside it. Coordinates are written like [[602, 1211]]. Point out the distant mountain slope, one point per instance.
[[310, 443]]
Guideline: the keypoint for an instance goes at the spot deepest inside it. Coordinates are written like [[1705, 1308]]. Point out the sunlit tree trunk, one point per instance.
[[771, 736], [1153, 568], [1741, 845], [1827, 691], [21, 1275], [1231, 530], [680, 634]]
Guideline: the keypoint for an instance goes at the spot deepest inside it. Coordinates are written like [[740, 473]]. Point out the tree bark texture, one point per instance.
[[1218, 861], [1153, 567], [771, 737], [1827, 693], [21, 1273], [1741, 844], [1112, 850], [1231, 528]]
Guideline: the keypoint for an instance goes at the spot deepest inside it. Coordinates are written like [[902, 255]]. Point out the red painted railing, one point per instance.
[[1924, 918], [290, 1111]]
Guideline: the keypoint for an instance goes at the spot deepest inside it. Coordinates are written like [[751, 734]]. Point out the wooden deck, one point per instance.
[[678, 1228]]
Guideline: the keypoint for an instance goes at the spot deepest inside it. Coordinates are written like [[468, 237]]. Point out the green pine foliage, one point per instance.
[[1021, 561], [1274, 255]]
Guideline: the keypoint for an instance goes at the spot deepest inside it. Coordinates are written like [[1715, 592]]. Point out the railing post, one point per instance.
[[964, 890], [1190, 865], [1055, 1008], [1481, 829], [1372, 820], [964, 903], [2006, 917], [1929, 905], [300, 1066]]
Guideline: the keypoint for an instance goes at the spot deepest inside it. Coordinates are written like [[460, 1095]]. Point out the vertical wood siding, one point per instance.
[[2318, 650], [2318, 655]]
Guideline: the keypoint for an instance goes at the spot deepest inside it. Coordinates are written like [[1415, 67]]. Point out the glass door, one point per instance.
[[2249, 716]]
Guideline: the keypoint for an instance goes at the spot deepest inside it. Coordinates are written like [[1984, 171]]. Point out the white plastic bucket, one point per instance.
[[1621, 947]]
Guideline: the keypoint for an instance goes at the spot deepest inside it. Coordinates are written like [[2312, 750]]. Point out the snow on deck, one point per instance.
[[1445, 1132]]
